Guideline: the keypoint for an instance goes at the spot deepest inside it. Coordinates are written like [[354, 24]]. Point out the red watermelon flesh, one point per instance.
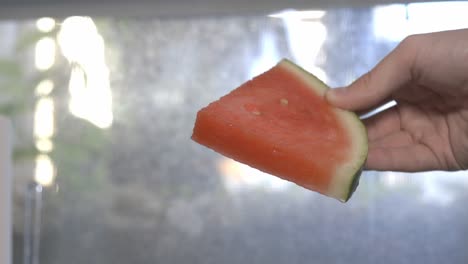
[[280, 123]]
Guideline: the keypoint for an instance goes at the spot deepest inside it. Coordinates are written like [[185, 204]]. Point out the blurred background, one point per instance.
[[103, 106]]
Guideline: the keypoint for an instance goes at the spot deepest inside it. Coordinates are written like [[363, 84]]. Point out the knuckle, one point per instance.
[[411, 42], [408, 54], [410, 47]]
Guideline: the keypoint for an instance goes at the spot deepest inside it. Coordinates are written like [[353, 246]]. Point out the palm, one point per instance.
[[425, 131]]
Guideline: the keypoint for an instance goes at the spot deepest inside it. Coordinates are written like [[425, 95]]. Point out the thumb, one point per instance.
[[376, 86]]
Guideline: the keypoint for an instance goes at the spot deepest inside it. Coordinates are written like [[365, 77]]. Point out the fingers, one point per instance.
[[411, 158], [376, 86]]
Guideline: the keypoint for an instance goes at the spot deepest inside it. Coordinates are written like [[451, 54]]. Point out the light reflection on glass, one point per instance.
[[442, 188], [436, 193], [302, 15], [44, 87], [238, 177], [44, 118], [90, 93], [268, 56], [45, 24], [395, 22], [433, 187], [394, 180], [306, 35], [45, 53], [45, 170], [44, 145], [44, 111], [437, 16], [390, 22]]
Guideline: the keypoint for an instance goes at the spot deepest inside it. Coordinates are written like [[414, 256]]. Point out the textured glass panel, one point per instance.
[[123, 182]]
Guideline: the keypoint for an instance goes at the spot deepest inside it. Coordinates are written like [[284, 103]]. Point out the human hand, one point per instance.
[[427, 76]]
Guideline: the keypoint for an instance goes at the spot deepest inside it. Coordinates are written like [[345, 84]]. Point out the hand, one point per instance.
[[427, 76]]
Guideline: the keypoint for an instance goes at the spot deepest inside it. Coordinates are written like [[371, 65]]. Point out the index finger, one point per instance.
[[376, 86]]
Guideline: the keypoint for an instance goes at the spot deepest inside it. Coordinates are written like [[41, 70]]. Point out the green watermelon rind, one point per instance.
[[343, 190], [353, 186]]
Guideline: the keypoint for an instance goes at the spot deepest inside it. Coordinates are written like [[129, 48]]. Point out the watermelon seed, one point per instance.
[[284, 101], [255, 112]]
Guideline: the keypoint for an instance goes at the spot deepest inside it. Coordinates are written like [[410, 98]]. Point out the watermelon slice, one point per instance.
[[280, 123]]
